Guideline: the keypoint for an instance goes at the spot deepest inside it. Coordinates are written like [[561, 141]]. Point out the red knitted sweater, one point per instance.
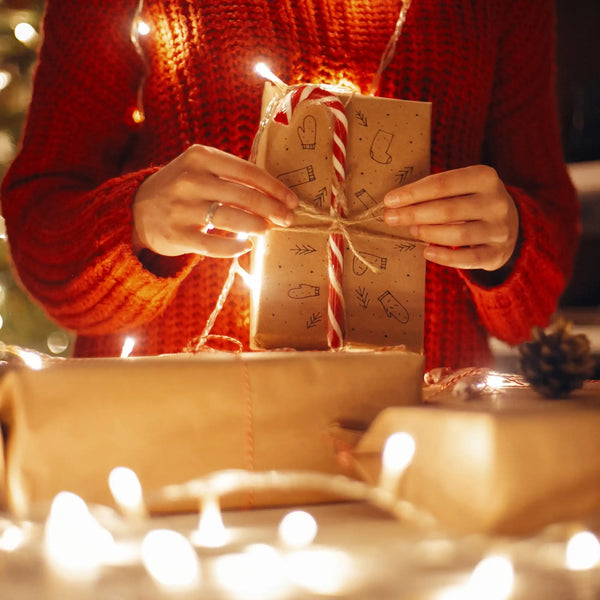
[[487, 66]]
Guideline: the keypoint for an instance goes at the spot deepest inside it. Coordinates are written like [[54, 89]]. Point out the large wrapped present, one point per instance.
[[178, 417], [506, 461], [383, 282]]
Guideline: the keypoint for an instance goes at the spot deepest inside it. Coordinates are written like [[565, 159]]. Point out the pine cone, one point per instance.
[[556, 362]]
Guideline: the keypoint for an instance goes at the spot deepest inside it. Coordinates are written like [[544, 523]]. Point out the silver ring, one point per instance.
[[210, 213]]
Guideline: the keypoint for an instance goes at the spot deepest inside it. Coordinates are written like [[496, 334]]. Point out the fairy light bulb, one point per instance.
[[142, 27], [25, 32], [170, 559], [297, 529], [75, 543], [12, 538], [263, 70], [492, 579], [495, 382], [211, 532], [398, 453], [582, 552], [5, 79], [127, 492], [31, 359], [128, 346]]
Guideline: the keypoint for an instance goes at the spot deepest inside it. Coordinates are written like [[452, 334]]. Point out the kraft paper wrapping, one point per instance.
[[175, 418], [509, 463], [388, 145]]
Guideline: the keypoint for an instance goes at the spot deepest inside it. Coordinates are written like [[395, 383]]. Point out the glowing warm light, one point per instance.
[[75, 543], [491, 579], [583, 551], [255, 574], [248, 279], [127, 492], [242, 237], [137, 116], [258, 255], [211, 532], [297, 529], [321, 571], [170, 559], [57, 342], [261, 69], [12, 538], [24, 32], [1, 322], [495, 381], [142, 27], [398, 452], [128, 346], [5, 79], [31, 359], [346, 83]]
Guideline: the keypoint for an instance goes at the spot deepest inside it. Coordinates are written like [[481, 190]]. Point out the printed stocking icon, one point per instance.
[[360, 268], [393, 308], [380, 146]]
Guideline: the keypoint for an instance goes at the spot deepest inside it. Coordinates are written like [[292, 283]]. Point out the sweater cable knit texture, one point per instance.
[[485, 64]]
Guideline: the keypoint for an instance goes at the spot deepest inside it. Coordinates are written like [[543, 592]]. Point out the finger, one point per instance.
[[457, 182], [458, 234], [228, 166], [435, 212], [248, 199], [234, 220], [477, 257], [192, 240]]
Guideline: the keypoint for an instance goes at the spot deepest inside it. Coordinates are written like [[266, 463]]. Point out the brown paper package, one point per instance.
[[508, 463], [175, 418], [388, 145]]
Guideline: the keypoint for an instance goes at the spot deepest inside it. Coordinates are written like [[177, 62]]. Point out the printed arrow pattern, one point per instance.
[[363, 297], [302, 250], [403, 174], [405, 246], [319, 199], [314, 320], [362, 119]]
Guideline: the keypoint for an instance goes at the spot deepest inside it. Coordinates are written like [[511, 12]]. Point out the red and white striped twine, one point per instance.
[[335, 303]]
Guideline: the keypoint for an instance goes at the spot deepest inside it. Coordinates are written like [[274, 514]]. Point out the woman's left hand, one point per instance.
[[466, 215]]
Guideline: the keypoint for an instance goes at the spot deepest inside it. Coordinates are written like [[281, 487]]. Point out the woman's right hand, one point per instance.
[[173, 206]]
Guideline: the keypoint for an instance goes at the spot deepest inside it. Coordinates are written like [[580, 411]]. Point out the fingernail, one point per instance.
[[291, 200], [391, 200], [390, 218], [283, 220], [414, 230]]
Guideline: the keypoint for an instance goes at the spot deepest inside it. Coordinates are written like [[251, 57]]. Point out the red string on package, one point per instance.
[[311, 93]]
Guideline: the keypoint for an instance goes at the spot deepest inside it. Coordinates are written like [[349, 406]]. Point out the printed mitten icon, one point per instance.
[[380, 146], [304, 290], [307, 133]]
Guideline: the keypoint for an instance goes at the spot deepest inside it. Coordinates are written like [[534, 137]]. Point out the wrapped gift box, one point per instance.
[[507, 462], [176, 418], [388, 145]]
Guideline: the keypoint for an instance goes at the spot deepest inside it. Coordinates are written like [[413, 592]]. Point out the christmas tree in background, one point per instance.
[[21, 322]]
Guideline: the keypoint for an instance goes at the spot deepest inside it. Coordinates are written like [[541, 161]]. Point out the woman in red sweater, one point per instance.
[[104, 215]]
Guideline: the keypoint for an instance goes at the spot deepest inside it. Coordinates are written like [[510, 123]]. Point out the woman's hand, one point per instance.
[[203, 186], [466, 215]]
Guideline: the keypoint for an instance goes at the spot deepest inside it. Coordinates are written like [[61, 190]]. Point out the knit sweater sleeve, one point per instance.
[[65, 198], [523, 144]]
